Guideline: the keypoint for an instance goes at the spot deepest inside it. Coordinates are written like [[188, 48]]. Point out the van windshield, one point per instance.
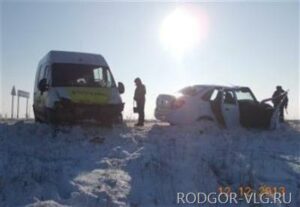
[[79, 75]]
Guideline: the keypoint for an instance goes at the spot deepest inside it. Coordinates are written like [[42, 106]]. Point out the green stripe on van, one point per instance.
[[89, 95]]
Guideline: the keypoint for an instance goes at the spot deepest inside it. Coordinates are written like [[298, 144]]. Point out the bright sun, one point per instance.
[[183, 29]]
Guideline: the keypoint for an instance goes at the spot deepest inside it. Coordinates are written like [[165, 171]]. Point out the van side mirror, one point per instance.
[[121, 87], [43, 86]]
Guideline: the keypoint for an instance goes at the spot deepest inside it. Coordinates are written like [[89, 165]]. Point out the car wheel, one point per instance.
[[206, 123]]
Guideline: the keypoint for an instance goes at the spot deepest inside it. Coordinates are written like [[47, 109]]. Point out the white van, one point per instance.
[[73, 86]]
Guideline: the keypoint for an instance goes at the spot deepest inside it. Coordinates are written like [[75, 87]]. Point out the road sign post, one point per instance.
[[18, 107], [27, 116], [13, 94], [26, 95]]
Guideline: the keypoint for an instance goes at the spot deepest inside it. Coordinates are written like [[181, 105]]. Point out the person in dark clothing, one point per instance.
[[280, 98], [139, 97]]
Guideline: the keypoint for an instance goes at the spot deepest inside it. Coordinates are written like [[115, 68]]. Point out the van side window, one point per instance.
[[46, 72], [42, 73], [108, 78]]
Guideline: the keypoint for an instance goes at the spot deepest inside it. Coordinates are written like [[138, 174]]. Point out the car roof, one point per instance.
[[205, 87], [55, 56], [202, 86]]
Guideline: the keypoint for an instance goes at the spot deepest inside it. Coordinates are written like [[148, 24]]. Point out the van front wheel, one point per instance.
[[118, 119], [50, 116], [37, 120], [108, 122]]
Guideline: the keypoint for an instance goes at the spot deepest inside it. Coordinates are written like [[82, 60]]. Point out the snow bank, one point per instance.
[[127, 166]]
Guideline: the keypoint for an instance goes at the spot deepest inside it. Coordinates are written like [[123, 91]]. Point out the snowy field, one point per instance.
[[141, 167]]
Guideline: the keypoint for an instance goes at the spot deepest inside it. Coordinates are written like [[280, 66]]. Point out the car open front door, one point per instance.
[[230, 109]]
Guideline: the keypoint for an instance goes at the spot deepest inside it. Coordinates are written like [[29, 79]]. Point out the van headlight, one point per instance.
[[65, 101], [62, 103], [58, 105]]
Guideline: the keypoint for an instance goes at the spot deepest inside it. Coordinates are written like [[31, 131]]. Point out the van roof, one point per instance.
[[55, 56]]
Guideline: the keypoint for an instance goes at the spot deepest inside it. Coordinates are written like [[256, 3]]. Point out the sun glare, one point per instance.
[[183, 29]]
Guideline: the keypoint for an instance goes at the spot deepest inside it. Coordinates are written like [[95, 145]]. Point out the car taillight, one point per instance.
[[178, 103]]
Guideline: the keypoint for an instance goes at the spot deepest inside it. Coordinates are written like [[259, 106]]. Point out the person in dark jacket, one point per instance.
[[280, 98], [139, 97]]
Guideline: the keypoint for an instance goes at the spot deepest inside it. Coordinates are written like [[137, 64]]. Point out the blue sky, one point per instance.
[[248, 43]]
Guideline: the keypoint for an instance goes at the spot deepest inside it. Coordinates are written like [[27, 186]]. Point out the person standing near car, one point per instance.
[[280, 99], [139, 97]]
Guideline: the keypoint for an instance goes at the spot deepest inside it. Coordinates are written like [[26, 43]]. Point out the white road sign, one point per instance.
[[24, 94]]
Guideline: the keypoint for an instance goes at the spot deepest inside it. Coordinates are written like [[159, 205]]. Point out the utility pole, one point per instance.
[[27, 116], [26, 95], [18, 106], [13, 94]]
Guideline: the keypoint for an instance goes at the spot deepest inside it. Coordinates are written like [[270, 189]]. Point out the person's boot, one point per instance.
[[139, 124]]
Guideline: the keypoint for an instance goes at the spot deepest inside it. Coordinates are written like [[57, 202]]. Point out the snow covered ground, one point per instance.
[[128, 166]]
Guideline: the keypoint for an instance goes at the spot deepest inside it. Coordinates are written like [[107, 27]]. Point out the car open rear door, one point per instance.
[[230, 109]]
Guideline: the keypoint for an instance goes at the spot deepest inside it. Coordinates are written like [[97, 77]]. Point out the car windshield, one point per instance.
[[80, 75], [244, 95]]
